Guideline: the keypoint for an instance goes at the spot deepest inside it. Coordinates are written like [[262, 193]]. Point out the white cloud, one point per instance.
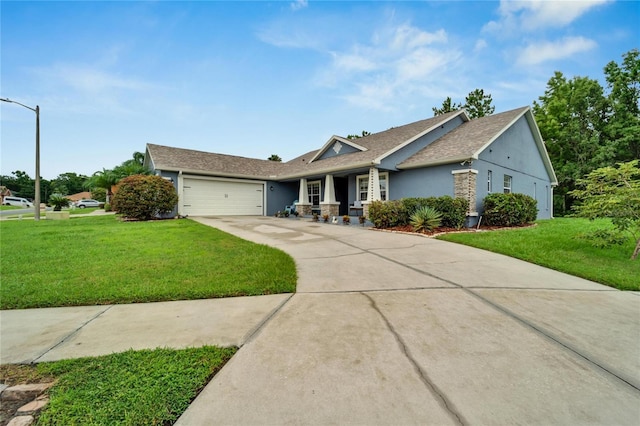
[[537, 53], [299, 4], [536, 14], [399, 61], [481, 44]]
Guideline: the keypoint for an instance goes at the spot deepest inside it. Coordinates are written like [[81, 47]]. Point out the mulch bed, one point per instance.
[[408, 229]]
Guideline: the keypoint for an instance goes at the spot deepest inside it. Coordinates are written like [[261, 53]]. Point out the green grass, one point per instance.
[[129, 388], [101, 260], [554, 244], [9, 207]]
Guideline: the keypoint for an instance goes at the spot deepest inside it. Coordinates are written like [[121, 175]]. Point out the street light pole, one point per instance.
[[36, 201]]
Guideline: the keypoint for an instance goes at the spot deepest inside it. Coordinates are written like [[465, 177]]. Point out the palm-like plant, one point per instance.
[[425, 219], [104, 179], [58, 202]]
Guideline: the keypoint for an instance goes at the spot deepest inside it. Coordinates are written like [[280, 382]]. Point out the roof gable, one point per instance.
[[464, 142], [336, 143], [469, 140]]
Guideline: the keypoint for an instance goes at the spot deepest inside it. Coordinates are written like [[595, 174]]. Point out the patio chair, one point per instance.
[[291, 209]]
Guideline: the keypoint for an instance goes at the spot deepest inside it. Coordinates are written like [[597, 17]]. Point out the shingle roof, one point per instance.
[[168, 158], [464, 141], [377, 145]]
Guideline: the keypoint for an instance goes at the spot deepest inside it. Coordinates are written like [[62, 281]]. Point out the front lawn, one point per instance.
[[3, 207], [554, 244], [150, 387], [101, 260]]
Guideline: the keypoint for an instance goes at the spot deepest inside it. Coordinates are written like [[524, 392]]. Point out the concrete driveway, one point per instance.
[[400, 329]]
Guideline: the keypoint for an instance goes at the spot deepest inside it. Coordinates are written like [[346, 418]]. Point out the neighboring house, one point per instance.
[[4, 192], [445, 155], [86, 195]]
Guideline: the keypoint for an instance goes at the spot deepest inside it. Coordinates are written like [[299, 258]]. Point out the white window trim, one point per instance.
[[380, 175], [489, 181], [504, 182], [309, 194]]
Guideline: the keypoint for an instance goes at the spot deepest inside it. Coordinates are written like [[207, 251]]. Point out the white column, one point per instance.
[[303, 194], [329, 190], [374, 185]]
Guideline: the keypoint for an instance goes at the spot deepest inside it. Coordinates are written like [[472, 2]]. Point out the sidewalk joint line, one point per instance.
[[541, 331], [424, 377], [74, 332], [254, 332]]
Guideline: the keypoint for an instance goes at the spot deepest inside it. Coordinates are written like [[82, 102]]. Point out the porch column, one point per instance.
[[303, 207], [329, 206], [373, 192], [464, 186]]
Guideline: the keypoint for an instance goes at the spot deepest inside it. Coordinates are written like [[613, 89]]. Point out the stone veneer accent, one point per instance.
[[331, 209], [304, 209], [464, 186]]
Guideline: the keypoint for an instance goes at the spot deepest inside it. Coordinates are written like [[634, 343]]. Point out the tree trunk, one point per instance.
[[636, 251]]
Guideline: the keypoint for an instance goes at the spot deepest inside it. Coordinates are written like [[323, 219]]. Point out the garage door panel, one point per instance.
[[211, 197]]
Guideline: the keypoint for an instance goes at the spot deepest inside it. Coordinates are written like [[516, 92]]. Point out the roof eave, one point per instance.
[[450, 160], [219, 174], [328, 170]]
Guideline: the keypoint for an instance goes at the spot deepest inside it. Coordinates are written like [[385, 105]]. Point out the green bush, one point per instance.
[[107, 207], [425, 219], [509, 209], [144, 197], [387, 214], [454, 210]]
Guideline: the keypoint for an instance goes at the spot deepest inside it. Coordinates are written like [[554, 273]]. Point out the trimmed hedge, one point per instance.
[[386, 214], [509, 209], [144, 197]]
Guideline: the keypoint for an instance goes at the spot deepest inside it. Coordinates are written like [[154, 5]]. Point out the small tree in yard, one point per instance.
[[144, 197], [614, 193]]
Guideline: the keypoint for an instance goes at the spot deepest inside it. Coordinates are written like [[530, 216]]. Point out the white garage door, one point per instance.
[[222, 198]]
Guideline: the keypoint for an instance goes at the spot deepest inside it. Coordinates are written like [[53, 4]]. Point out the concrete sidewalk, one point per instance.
[[384, 329], [51, 334]]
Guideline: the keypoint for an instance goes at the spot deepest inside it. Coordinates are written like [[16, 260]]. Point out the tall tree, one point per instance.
[[476, 103], [133, 166], [274, 157], [447, 106], [571, 116], [68, 183], [623, 82]]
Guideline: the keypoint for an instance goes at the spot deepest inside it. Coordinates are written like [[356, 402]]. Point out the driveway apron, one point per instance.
[[389, 328]]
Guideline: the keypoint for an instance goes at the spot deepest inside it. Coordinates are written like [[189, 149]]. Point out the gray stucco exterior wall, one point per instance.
[[515, 153]]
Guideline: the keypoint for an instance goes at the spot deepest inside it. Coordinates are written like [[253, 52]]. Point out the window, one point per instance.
[[363, 187], [507, 184], [314, 192], [489, 181], [383, 186]]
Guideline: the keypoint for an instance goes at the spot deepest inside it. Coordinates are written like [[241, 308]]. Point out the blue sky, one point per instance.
[[280, 77]]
